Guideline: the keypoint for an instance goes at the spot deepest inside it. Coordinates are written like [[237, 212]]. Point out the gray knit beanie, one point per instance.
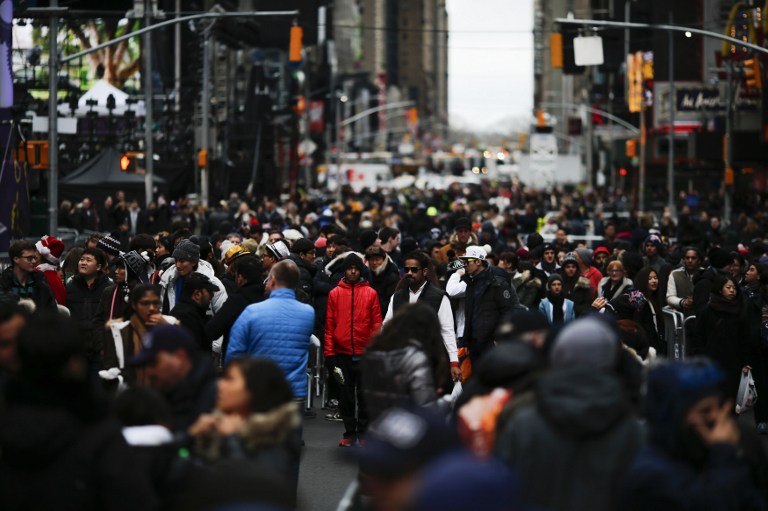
[[187, 251], [587, 342]]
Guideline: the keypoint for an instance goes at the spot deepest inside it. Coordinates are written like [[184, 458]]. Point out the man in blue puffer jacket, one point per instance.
[[277, 328]]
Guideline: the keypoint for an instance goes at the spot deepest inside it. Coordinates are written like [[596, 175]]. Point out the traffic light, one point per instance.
[[556, 50], [128, 162], [631, 147], [294, 48], [752, 73], [623, 172]]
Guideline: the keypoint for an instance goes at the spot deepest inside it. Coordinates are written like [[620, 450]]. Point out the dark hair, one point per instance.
[[641, 284], [249, 267], [141, 406], [19, 247], [44, 361], [136, 294], [688, 249], [762, 269], [719, 281], [415, 322], [510, 258], [265, 383], [286, 273], [70, 261], [181, 234], [9, 307], [424, 262], [98, 254], [141, 242], [387, 232]]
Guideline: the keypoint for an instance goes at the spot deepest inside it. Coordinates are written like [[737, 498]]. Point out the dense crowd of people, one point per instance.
[[478, 353]]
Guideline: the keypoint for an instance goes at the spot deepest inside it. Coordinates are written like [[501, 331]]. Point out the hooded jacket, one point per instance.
[[353, 317], [171, 275], [572, 446], [384, 281], [488, 300], [604, 288], [398, 377], [579, 290], [671, 472], [529, 288]]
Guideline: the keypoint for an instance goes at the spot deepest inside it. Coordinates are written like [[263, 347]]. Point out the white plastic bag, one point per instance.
[[747, 395]]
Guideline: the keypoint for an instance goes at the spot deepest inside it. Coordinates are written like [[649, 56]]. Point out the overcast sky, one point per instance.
[[490, 61]]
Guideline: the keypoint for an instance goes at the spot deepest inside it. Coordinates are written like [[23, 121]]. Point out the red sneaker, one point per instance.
[[346, 442]]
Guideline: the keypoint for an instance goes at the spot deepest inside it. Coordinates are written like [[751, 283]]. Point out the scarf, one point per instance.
[[718, 303], [139, 330], [557, 301]]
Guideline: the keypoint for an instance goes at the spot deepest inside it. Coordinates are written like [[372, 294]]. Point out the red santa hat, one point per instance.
[[50, 248]]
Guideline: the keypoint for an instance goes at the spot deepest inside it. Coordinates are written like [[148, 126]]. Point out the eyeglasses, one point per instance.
[[471, 260], [31, 258], [149, 303], [412, 269]]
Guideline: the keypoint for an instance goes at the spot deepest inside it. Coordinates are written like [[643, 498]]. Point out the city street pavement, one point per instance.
[[323, 476]]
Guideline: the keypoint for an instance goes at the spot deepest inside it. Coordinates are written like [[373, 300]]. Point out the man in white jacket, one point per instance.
[[187, 256]]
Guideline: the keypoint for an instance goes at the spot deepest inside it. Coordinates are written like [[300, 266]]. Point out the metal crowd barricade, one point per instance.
[[689, 320], [314, 372], [674, 333]]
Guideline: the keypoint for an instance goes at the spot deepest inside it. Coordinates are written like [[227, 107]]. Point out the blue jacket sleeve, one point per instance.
[[238, 338]]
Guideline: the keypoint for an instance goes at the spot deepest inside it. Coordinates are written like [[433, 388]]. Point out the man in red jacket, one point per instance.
[[353, 317]]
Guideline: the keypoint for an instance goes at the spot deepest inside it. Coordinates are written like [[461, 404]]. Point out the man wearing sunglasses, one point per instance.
[[487, 300], [22, 280], [421, 289]]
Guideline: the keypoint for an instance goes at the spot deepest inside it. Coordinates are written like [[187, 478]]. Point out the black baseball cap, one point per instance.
[[196, 281], [163, 338]]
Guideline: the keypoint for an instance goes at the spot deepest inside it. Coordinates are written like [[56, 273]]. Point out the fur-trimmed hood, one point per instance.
[[383, 268], [336, 263], [454, 240], [527, 278], [259, 430]]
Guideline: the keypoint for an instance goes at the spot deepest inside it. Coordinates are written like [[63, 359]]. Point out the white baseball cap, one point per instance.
[[474, 252]]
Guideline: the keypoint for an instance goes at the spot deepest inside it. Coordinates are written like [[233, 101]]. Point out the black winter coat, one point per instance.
[[221, 323], [398, 377], [41, 293], [702, 287], [572, 446], [722, 335], [83, 302], [385, 283], [193, 318], [60, 451], [487, 301], [102, 315], [194, 395]]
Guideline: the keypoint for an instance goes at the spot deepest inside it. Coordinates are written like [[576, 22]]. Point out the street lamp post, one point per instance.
[[149, 146], [672, 100]]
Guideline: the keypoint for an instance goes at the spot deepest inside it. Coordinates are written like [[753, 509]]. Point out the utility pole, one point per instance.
[[149, 150], [205, 103], [728, 172], [672, 106], [53, 119]]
